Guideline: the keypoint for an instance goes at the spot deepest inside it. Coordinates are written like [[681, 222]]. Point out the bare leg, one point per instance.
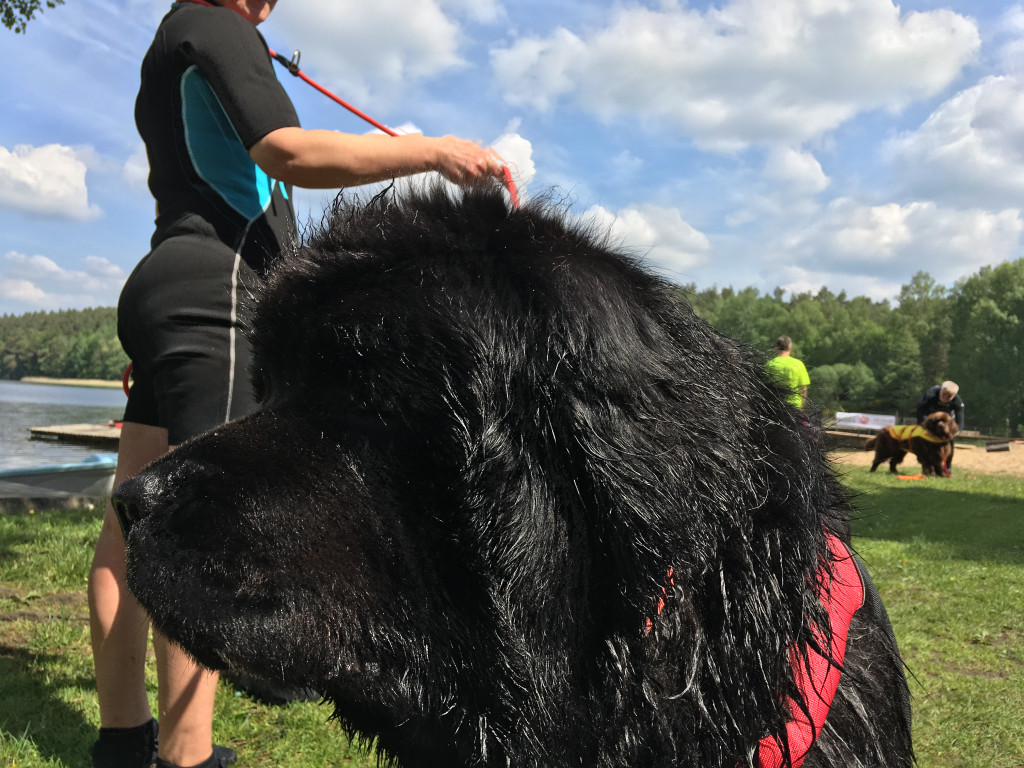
[[185, 693], [118, 625], [120, 628]]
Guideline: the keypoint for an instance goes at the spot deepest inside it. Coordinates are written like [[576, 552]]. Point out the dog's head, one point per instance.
[[485, 436], [941, 424]]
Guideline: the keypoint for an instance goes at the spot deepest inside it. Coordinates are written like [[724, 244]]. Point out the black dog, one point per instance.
[[509, 502]]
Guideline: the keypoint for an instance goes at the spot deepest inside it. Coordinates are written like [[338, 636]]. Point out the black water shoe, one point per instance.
[[222, 757], [126, 747]]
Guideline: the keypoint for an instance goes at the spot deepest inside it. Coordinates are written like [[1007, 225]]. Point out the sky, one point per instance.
[[796, 144]]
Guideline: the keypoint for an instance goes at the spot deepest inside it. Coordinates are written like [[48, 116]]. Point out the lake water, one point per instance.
[[47, 405]]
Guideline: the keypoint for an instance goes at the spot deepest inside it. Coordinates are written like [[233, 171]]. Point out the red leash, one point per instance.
[[292, 65]]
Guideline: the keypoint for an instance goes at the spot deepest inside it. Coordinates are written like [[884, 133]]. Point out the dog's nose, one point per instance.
[[132, 500]]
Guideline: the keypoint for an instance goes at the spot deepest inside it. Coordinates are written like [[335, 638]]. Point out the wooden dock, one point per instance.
[[89, 434]]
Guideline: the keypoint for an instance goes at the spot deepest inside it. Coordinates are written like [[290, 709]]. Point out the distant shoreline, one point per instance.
[[72, 382]]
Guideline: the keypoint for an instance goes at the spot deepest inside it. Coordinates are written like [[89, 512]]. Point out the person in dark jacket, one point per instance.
[[943, 397]]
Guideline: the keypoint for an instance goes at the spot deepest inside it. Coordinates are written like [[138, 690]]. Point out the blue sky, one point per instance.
[[792, 143]]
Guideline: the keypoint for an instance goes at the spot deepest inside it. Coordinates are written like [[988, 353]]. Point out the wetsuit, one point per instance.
[[208, 94]]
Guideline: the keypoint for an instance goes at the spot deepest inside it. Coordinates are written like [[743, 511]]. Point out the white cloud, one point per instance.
[[796, 280], [745, 72], [669, 243], [799, 172], [1011, 52], [626, 165], [135, 171], [47, 180], [517, 152], [479, 10], [365, 49], [970, 151], [25, 292], [886, 243], [40, 283]]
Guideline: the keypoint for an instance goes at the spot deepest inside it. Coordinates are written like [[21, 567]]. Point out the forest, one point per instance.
[[68, 344], [862, 355], [876, 357]]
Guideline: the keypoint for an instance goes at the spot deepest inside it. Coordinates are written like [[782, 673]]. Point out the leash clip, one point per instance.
[[292, 65]]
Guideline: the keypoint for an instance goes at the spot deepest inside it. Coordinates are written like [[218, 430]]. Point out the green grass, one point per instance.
[[946, 555], [948, 558], [48, 710]]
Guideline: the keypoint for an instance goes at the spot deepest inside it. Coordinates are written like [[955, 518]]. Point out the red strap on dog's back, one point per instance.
[[841, 592]]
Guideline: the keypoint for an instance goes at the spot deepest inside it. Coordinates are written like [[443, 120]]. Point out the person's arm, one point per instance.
[[321, 159], [958, 413], [805, 382], [922, 406]]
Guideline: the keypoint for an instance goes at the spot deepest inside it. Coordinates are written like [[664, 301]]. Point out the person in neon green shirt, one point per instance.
[[788, 372]]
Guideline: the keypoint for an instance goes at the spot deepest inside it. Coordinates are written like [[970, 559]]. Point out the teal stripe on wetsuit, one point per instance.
[[217, 153]]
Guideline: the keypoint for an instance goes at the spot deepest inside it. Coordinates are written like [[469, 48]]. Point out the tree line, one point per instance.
[[68, 344], [862, 355], [876, 357]]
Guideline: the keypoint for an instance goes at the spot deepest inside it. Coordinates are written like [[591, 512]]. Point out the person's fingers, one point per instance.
[[495, 163], [465, 162]]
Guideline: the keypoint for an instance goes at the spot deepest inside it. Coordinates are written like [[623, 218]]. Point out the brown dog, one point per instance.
[[931, 442]]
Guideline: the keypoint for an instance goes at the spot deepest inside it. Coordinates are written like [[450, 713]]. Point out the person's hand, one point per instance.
[[465, 162]]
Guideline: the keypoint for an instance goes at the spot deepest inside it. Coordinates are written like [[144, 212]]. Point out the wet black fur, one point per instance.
[[485, 436]]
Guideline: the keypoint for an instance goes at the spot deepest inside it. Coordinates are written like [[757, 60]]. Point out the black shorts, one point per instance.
[[180, 320]]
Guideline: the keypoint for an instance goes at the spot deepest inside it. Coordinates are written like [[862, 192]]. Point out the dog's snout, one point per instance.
[[132, 500]]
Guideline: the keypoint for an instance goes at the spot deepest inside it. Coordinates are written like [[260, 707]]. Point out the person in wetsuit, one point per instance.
[[224, 146]]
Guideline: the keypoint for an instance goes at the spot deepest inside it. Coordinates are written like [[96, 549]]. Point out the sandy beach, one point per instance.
[[72, 382], [968, 460]]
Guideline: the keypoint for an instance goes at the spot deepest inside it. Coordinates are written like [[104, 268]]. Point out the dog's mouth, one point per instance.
[[237, 618]]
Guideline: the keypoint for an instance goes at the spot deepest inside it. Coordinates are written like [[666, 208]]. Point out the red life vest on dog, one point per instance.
[[841, 591]]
